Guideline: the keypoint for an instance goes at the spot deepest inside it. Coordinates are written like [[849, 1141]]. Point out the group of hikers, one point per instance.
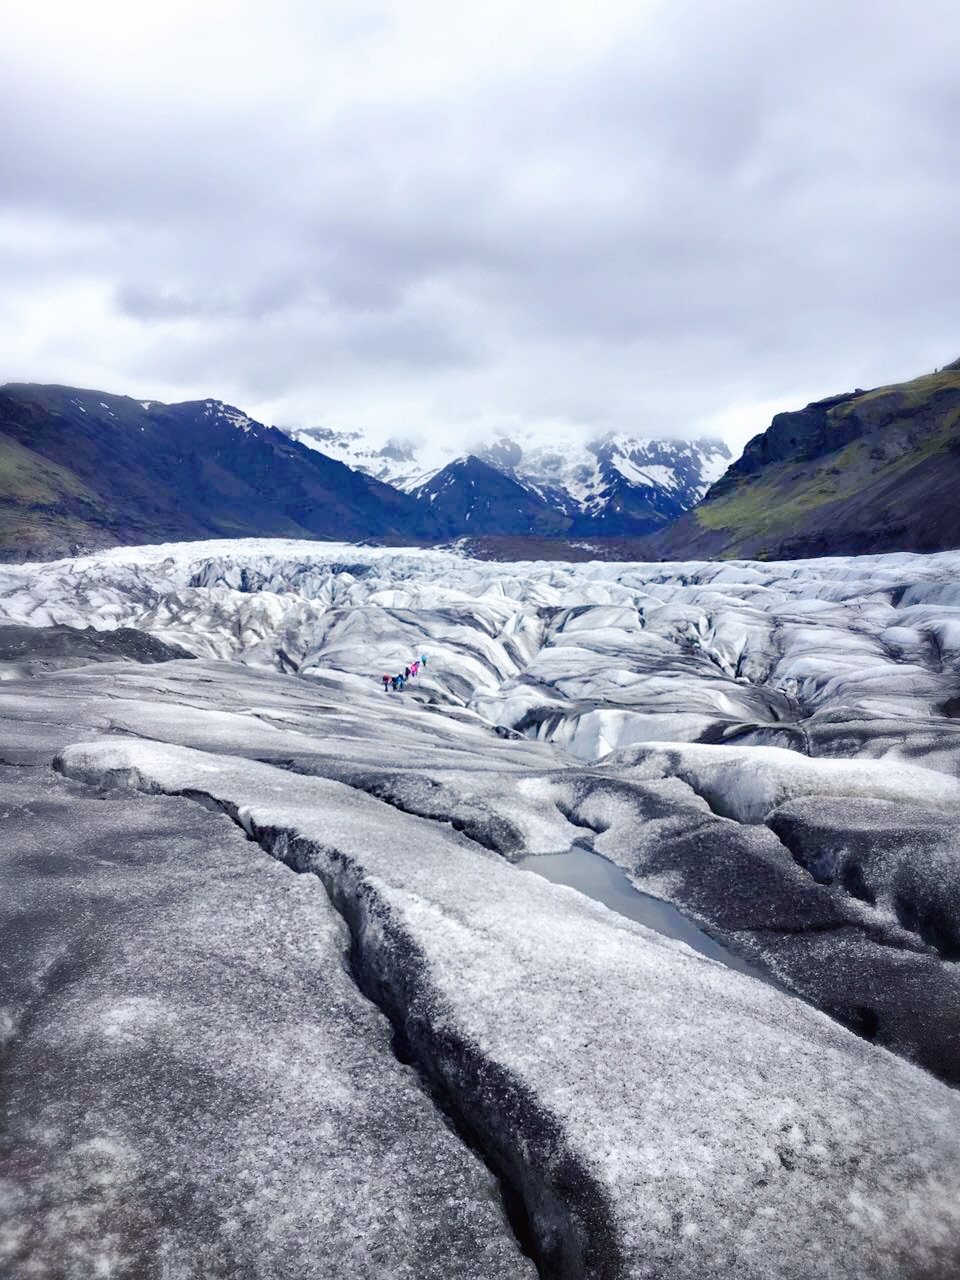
[[397, 682]]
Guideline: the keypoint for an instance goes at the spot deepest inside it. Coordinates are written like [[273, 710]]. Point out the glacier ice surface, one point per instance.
[[773, 748]]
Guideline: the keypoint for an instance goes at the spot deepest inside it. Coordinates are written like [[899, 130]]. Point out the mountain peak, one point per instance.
[[613, 485]]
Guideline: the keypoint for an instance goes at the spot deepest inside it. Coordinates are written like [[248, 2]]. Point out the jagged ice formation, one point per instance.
[[411, 1057]]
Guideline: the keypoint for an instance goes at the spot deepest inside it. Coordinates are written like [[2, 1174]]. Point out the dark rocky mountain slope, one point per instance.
[[84, 469], [868, 471], [470, 496]]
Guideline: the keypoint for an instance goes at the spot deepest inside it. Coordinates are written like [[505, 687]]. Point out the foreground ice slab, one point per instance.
[[659, 1114], [881, 959], [192, 1084]]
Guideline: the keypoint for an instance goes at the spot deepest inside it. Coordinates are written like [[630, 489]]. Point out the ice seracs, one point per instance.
[[778, 653], [773, 748]]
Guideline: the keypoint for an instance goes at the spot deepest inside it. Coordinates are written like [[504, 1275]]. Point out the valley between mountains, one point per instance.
[[863, 471], [276, 998], [81, 470]]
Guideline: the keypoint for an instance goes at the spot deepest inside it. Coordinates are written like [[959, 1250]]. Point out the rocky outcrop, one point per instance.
[[801, 434], [866, 471], [26, 651]]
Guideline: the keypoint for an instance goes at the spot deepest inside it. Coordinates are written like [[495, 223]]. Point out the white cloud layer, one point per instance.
[[413, 217]]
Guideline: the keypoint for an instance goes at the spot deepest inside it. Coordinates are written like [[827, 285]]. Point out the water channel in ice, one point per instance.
[[605, 882]]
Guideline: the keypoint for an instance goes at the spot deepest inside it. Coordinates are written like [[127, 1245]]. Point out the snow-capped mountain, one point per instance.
[[616, 484], [612, 486], [583, 477], [472, 496], [397, 463]]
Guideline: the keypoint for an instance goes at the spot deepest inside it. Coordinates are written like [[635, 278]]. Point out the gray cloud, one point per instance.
[[655, 217]]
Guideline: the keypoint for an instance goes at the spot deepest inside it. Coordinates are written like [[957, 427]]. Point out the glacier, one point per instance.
[[277, 1000]]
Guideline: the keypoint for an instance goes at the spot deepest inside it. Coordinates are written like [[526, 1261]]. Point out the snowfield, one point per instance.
[[276, 1001]]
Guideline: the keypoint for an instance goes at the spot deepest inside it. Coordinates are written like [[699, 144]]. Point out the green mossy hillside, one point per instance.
[[876, 470], [30, 479], [44, 506]]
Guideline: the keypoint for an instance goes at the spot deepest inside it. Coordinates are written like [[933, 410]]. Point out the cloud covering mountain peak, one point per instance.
[[661, 219]]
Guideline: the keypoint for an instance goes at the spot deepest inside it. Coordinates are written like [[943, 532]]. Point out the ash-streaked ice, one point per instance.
[[279, 998]]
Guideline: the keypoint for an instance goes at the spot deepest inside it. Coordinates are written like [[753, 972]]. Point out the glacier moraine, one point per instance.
[[276, 1000]]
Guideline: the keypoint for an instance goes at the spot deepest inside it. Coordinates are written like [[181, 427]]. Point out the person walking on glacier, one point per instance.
[[386, 681]]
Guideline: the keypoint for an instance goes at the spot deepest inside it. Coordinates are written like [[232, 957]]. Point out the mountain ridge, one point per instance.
[[89, 469], [862, 471], [612, 486], [855, 473], [83, 469]]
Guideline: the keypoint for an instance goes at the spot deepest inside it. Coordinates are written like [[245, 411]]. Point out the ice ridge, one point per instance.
[[566, 1219], [606, 1155]]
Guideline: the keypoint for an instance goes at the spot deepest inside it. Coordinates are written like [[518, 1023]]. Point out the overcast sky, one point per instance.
[[428, 216]]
